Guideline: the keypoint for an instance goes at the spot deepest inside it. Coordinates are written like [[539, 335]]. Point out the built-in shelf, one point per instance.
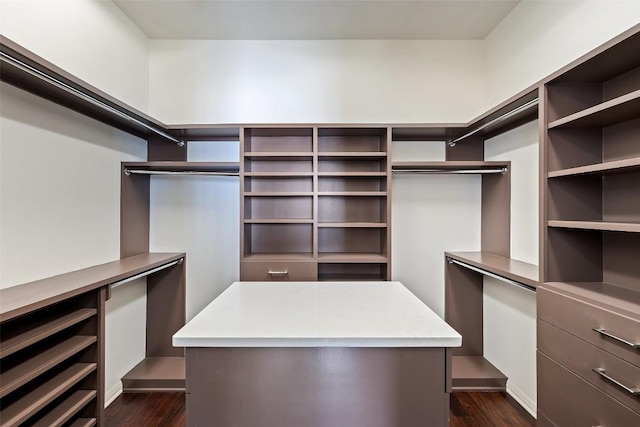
[[475, 373], [31, 368], [47, 326], [279, 155], [20, 410], [28, 71], [352, 224], [515, 270], [353, 174], [617, 110], [605, 168], [67, 409], [450, 167], [597, 225], [330, 277], [278, 221], [278, 174], [358, 155], [156, 374], [288, 256], [353, 193], [351, 257], [227, 167], [278, 193], [21, 299]]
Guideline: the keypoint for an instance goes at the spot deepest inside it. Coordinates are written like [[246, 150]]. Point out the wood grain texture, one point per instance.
[[466, 410]]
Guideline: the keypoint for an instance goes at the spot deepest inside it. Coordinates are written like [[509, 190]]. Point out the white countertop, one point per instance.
[[317, 314]]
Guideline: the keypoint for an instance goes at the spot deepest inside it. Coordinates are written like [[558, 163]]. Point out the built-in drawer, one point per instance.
[[569, 401], [281, 270], [582, 358], [582, 318]]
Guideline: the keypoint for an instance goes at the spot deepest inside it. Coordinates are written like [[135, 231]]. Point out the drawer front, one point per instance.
[[580, 319], [278, 271], [581, 358], [569, 401]]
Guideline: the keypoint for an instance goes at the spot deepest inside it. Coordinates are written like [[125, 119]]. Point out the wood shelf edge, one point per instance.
[[516, 270]]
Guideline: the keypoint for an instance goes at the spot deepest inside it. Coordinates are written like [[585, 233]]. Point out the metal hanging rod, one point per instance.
[[67, 88], [523, 107], [146, 273], [450, 171], [493, 275], [150, 172]]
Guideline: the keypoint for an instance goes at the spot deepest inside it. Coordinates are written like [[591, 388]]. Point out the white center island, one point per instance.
[[283, 354]]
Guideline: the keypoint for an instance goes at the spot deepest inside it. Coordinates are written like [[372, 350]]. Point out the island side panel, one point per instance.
[[313, 387]]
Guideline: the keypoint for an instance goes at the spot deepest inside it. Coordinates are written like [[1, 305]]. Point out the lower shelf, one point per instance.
[[475, 373], [156, 374]]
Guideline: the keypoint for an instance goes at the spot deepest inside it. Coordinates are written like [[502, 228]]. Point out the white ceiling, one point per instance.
[[316, 19]]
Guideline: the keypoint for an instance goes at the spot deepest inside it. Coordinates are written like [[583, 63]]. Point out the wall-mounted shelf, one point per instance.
[[604, 168], [178, 167], [464, 167], [512, 269], [28, 71], [614, 111], [352, 224], [597, 225]]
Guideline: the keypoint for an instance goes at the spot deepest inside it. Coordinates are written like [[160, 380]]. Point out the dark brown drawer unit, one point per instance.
[[261, 271], [571, 402], [586, 377]]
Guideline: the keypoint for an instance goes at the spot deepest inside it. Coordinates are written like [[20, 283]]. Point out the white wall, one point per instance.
[[91, 39], [328, 81], [510, 312], [59, 170], [200, 216], [539, 37], [431, 214]]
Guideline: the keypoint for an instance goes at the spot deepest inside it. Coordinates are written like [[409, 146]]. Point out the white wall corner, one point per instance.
[[525, 401], [112, 394]]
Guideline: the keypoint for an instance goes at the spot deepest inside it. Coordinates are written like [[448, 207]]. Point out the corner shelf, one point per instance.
[[629, 227], [617, 110], [604, 168]]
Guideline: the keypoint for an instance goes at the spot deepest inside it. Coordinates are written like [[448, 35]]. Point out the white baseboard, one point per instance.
[[525, 401], [112, 394]]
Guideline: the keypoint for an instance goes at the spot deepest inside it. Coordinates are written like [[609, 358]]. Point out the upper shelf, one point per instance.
[[182, 167], [21, 299], [28, 71], [518, 271], [617, 110], [606, 168], [470, 167]]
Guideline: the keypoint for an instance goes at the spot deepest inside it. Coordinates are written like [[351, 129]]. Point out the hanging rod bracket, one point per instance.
[[451, 143]]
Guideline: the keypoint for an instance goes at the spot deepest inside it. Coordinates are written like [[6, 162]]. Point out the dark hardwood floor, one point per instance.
[[167, 409]]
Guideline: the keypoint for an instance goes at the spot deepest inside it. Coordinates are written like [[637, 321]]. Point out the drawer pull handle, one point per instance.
[[603, 374], [278, 273], [601, 331]]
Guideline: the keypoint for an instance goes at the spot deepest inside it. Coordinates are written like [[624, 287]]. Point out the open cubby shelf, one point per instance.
[[620, 109], [352, 224], [604, 168], [597, 225]]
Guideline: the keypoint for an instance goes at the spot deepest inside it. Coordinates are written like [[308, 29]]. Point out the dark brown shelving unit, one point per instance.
[[588, 307], [52, 338], [463, 310]]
